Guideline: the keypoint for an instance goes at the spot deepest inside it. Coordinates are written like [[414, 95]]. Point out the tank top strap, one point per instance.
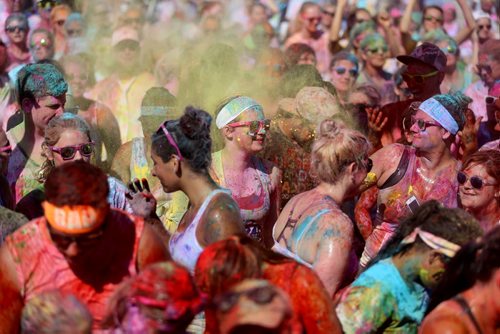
[[466, 308]]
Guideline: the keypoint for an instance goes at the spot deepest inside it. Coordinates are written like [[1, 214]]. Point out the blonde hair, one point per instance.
[[59, 8], [335, 148], [53, 132]]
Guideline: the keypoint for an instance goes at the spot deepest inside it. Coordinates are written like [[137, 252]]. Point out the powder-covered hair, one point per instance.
[[344, 55], [335, 148], [39, 80], [17, 17], [55, 312], [456, 103], [369, 39], [53, 132], [59, 8], [191, 134]]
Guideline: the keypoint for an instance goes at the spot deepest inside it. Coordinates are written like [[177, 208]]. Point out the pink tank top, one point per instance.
[[41, 267]]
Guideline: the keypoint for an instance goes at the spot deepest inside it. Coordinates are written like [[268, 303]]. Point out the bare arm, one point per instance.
[[11, 302], [465, 32], [151, 248], [337, 21], [221, 221], [404, 25], [275, 199], [362, 211], [334, 250]]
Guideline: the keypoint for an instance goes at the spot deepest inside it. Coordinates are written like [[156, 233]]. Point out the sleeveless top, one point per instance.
[[391, 201], [184, 246], [277, 247], [40, 266], [255, 207]]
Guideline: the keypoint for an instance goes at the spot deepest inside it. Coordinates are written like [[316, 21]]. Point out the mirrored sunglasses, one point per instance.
[[342, 70], [254, 127]]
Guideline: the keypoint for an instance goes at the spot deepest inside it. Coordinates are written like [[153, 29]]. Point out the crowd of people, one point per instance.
[[262, 166]]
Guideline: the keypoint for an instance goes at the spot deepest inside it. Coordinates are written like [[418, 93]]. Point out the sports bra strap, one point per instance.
[[400, 170], [465, 306]]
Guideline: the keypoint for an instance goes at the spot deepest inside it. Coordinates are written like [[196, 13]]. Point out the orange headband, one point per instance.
[[74, 219]]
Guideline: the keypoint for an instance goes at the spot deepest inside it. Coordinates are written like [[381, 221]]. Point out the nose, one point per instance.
[[59, 111], [414, 128], [78, 155]]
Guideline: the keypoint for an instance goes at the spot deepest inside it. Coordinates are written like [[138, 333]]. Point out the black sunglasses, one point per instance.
[[340, 70], [475, 181], [16, 28], [481, 26], [63, 241], [260, 295]]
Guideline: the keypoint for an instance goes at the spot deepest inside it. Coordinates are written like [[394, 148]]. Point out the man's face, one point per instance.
[[45, 108], [41, 48], [423, 80], [127, 54], [489, 69], [311, 18], [483, 26]]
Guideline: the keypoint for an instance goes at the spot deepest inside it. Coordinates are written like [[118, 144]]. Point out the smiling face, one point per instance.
[[433, 19], [428, 139], [69, 137], [43, 109], [241, 137], [375, 53], [343, 82], [41, 47], [165, 172], [474, 199]]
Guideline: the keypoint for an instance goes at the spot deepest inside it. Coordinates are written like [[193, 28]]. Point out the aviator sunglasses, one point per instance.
[[475, 181], [254, 127], [69, 152]]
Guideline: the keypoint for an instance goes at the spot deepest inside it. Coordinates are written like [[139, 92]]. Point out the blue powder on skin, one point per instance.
[[40, 80]]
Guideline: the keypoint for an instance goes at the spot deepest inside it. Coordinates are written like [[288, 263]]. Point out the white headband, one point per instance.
[[434, 109], [439, 244], [234, 108]]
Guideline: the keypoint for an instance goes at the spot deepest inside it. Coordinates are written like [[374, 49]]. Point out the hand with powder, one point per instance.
[[141, 199]]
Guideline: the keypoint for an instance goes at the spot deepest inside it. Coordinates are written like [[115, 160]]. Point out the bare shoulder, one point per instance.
[[386, 160], [221, 219], [447, 318], [336, 224]]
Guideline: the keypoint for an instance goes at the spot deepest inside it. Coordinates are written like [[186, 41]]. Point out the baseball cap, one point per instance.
[[123, 34], [426, 53]]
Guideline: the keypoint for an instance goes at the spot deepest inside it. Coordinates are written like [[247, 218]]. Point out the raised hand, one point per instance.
[[376, 119], [141, 199]]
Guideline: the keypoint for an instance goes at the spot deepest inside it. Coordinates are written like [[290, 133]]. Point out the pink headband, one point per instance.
[[171, 141]]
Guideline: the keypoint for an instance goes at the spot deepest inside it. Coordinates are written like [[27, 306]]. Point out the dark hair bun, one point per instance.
[[195, 123]]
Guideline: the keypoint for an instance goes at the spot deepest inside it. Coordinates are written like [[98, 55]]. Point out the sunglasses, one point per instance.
[[418, 78], [422, 125], [127, 45], [314, 19], [254, 127], [432, 18], [449, 50], [377, 50], [12, 29], [490, 99], [486, 26], [163, 128], [475, 181], [342, 70], [63, 241], [73, 32], [45, 4], [69, 152], [261, 295], [324, 11], [43, 43]]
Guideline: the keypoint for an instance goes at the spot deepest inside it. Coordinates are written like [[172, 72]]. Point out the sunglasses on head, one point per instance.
[[69, 152], [260, 295], [254, 127], [418, 78], [16, 29], [421, 124], [475, 181], [342, 70], [432, 18]]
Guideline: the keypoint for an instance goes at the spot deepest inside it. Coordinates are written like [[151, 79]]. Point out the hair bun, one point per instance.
[[195, 123], [329, 129], [461, 100]]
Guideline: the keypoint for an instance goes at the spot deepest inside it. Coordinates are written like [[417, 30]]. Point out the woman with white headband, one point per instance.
[[392, 294], [407, 176], [254, 183]]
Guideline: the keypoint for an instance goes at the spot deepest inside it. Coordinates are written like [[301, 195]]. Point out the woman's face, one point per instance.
[[343, 74], [164, 171], [249, 142], [58, 22], [433, 19], [70, 137], [77, 77], [474, 199], [16, 31]]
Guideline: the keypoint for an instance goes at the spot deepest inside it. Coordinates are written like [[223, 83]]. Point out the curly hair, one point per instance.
[[191, 134]]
